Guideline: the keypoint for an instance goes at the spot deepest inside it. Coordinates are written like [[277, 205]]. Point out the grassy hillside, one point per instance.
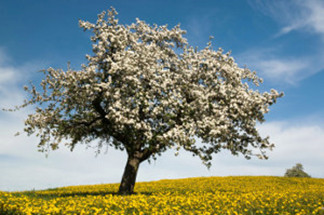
[[205, 195]]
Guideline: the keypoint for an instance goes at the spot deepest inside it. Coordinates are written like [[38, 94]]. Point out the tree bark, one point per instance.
[[129, 177]]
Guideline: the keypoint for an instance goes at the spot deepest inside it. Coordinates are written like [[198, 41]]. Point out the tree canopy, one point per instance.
[[145, 90], [297, 171]]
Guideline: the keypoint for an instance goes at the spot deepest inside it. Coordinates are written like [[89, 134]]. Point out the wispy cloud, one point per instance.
[[311, 18], [12, 79], [3, 57], [271, 66], [279, 64], [294, 14], [316, 20], [9, 79]]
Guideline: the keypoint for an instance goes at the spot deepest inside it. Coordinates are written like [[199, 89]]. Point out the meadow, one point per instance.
[[204, 195]]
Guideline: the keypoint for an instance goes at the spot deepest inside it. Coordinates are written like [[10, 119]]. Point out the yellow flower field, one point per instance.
[[204, 195]]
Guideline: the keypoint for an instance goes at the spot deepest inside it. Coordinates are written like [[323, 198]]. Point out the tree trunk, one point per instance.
[[129, 177]]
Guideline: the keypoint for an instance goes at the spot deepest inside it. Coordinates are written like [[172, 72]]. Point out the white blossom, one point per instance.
[[145, 89]]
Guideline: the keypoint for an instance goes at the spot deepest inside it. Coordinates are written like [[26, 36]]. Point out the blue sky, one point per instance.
[[282, 40]]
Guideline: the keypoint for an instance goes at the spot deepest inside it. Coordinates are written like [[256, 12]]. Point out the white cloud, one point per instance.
[[12, 79], [312, 18], [8, 90], [270, 66], [297, 141], [23, 167], [6, 75], [278, 69], [3, 57], [316, 19], [294, 14], [291, 15]]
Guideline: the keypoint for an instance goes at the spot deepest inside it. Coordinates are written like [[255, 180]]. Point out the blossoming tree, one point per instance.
[[145, 90]]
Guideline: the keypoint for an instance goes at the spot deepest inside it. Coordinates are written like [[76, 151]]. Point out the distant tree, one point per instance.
[[145, 90], [297, 171]]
